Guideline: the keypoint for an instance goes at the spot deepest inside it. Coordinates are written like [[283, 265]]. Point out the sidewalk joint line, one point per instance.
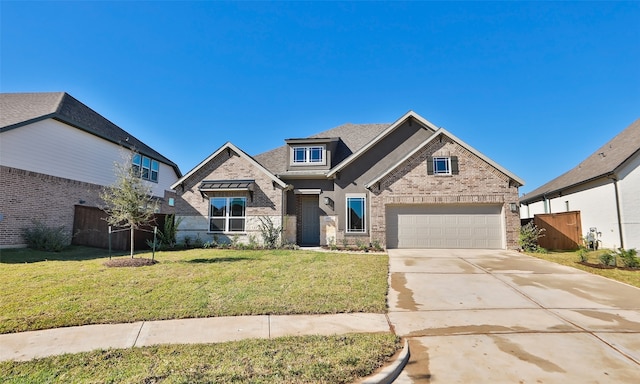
[[138, 335]]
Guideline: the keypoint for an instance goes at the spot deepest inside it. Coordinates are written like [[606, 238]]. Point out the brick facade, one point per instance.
[[477, 183], [27, 196], [264, 201]]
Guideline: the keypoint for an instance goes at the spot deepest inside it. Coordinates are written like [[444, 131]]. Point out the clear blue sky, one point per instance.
[[537, 87]]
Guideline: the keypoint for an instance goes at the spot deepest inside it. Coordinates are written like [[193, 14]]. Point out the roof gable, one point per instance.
[[20, 109], [350, 159], [434, 136], [603, 162], [229, 146]]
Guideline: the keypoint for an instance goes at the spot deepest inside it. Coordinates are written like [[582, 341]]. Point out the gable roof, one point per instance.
[[438, 132], [602, 163], [241, 153], [379, 137], [20, 109], [352, 138]]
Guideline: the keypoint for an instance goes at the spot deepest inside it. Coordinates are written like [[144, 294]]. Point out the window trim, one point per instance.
[[453, 167], [347, 220], [447, 171], [153, 168], [308, 150], [228, 215]]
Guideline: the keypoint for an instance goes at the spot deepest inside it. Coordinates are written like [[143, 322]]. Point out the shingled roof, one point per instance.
[[353, 137], [602, 163], [20, 109]]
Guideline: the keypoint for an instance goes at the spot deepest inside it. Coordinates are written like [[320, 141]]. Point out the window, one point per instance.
[[442, 165], [227, 214], [145, 167], [356, 210], [308, 155]]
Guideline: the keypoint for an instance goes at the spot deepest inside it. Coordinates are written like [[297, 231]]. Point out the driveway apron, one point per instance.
[[496, 316]]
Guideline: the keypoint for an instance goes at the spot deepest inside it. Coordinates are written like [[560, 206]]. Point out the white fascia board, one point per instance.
[[382, 135], [457, 140], [241, 153]]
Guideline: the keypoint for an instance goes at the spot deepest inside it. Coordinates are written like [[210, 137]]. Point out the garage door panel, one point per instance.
[[445, 226]]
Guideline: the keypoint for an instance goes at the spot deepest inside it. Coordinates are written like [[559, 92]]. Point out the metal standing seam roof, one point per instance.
[[216, 185], [20, 109], [603, 162]]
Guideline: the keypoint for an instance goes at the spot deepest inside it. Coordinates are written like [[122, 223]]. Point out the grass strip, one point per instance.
[[306, 359], [572, 259]]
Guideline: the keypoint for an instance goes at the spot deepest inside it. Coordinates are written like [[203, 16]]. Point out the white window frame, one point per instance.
[[227, 216], [347, 219], [149, 172], [447, 171], [307, 160]]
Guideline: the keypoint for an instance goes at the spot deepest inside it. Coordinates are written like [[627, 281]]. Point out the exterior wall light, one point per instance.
[[513, 207]]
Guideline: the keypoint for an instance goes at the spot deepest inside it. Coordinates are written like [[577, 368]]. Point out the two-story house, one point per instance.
[[55, 153], [408, 184]]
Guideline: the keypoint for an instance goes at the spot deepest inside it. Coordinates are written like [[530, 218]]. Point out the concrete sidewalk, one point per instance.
[[34, 344]]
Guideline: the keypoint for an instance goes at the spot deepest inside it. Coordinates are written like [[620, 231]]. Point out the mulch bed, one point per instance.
[[602, 266], [129, 262]]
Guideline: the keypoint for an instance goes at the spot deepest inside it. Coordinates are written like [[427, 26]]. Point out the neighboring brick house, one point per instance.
[[403, 185], [55, 153]]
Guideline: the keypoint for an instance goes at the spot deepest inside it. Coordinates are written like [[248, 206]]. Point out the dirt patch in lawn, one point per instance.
[[129, 262]]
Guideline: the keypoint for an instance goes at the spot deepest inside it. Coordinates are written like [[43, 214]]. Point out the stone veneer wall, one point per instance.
[[477, 183]]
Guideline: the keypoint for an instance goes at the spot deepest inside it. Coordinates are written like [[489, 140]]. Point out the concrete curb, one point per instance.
[[391, 372]]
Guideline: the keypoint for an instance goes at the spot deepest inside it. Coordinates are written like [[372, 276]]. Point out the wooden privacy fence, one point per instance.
[[563, 231], [90, 228]]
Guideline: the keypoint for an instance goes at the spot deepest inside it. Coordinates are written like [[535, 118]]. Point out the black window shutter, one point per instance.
[[454, 165], [429, 165]]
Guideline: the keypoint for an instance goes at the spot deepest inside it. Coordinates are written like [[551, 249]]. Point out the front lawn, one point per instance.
[[572, 259], [308, 359], [75, 288]]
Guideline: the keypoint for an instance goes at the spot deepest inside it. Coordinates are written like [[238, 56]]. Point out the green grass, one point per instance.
[[75, 288], [309, 359], [572, 259]]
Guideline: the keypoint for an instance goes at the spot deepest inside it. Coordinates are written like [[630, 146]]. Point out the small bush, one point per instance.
[[629, 257], [270, 233], [43, 238], [376, 245], [608, 259], [332, 244], [583, 254], [528, 238]]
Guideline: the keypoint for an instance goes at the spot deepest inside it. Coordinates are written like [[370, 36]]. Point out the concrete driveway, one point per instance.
[[494, 316]]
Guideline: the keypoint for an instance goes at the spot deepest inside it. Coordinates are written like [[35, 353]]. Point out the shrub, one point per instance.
[[528, 238], [629, 257], [608, 259], [167, 235], [332, 244], [270, 233], [43, 238], [583, 254], [376, 245]]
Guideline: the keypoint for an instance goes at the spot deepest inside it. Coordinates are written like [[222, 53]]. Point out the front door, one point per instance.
[[310, 220]]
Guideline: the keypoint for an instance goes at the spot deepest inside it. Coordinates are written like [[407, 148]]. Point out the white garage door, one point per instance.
[[444, 226]]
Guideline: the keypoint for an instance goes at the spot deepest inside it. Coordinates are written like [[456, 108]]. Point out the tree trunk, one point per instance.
[[132, 241]]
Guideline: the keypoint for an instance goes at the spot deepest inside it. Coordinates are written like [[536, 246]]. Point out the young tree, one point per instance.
[[129, 200]]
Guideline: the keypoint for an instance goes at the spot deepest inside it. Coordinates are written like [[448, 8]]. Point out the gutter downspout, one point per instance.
[[614, 178]]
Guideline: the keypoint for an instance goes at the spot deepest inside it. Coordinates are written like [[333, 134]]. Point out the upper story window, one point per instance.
[[309, 155], [442, 165], [145, 167]]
